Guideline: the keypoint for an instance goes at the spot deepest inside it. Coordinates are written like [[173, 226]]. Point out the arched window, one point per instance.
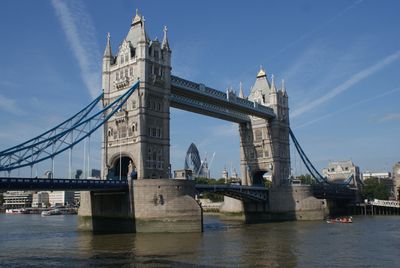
[[126, 57], [121, 74], [131, 71], [117, 76], [126, 72], [122, 59]]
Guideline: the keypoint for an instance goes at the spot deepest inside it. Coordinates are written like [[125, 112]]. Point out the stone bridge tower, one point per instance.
[[264, 144], [136, 139]]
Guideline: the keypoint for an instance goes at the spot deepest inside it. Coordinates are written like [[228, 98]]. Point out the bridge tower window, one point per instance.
[[126, 58], [131, 71], [122, 59], [126, 72], [117, 76]]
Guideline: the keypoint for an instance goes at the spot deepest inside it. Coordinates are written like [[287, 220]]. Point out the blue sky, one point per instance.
[[340, 61]]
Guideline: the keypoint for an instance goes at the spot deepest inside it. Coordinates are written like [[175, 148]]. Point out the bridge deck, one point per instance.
[[194, 97], [38, 184], [249, 193]]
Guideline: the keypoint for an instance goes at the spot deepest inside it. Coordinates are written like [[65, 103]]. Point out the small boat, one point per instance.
[[340, 220], [52, 212], [17, 211]]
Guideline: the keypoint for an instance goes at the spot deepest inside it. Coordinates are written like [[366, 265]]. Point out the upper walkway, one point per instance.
[[198, 98]]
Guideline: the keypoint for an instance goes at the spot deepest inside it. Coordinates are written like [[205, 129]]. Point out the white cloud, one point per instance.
[[349, 107], [80, 32], [226, 130], [319, 28], [354, 79], [390, 117], [9, 105]]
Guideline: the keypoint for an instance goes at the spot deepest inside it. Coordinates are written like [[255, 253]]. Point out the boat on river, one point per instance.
[[340, 220], [17, 211], [52, 212]]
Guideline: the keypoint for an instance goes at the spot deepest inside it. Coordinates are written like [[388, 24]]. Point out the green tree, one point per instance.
[[306, 179], [210, 195], [267, 183], [374, 189], [1, 199]]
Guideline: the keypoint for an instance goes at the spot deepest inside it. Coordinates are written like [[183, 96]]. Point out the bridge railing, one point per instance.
[[385, 203], [11, 184], [237, 116], [231, 98]]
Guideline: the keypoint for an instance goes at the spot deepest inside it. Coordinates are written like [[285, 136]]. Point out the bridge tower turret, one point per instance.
[[136, 139], [264, 143]]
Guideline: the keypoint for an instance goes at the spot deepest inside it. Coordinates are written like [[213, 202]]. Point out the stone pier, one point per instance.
[[285, 203], [156, 205]]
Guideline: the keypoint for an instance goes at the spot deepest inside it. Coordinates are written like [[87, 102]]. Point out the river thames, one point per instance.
[[35, 241]]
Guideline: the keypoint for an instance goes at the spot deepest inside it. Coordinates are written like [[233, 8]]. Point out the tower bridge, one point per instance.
[[138, 91]]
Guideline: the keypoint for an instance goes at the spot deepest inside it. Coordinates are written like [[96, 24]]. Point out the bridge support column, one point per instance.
[[159, 205], [296, 203], [284, 203], [166, 205]]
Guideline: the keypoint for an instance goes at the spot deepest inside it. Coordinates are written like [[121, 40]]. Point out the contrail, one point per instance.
[[348, 108], [80, 32], [354, 79], [317, 29]]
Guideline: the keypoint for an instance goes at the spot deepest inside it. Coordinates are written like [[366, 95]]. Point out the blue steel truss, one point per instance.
[[67, 124], [310, 167], [63, 137], [245, 193]]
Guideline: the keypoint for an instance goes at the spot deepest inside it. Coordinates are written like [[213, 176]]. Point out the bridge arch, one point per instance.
[[122, 166], [258, 177]]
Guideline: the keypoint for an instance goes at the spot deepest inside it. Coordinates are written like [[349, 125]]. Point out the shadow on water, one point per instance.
[[33, 241]]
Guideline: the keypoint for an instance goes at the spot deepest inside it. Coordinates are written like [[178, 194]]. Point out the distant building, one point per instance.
[[396, 180], [95, 173], [40, 199], [225, 175], [340, 171], [183, 174], [61, 198], [17, 199], [379, 175], [233, 179], [194, 163]]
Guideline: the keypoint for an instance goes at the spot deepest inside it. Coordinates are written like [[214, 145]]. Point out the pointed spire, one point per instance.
[[137, 19], [273, 89], [143, 36], [107, 51], [261, 72], [241, 95], [165, 44], [283, 88]]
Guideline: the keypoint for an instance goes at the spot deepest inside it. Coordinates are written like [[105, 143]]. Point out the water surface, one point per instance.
[[35, 241]]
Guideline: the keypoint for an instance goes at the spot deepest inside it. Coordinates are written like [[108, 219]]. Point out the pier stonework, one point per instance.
[[158, 205]]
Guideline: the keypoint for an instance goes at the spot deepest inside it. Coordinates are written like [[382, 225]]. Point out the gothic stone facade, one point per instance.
[[264, 144], [136, 139]]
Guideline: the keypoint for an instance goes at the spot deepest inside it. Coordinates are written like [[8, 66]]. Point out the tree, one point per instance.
[[306, 179], [1, 199], [374, 189]]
